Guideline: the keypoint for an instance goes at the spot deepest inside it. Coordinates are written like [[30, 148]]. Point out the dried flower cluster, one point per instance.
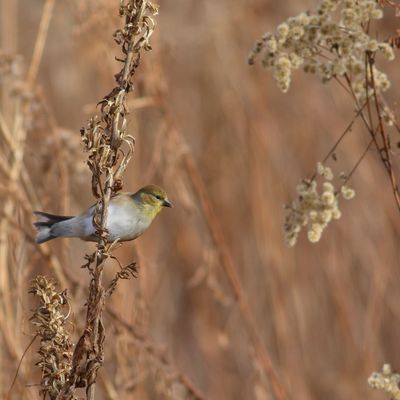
[[312, 209], [387, 381], [55, 349], [327, 46]]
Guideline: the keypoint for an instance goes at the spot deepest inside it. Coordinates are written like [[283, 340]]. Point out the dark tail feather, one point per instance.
[[44, 224]]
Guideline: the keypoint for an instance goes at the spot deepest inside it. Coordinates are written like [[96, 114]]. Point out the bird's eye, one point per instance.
[[158, 197]]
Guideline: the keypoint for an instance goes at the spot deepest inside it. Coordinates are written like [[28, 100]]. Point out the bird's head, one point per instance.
[[152, 199]]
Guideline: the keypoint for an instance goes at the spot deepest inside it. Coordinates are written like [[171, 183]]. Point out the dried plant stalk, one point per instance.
[[55, 348], [103, 138]]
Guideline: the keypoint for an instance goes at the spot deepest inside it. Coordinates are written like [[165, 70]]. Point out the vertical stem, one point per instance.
[[41, 40], [113, 133], [96, 306], [229, 267]]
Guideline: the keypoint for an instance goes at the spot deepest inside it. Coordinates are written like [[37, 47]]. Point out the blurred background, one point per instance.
[[229, 148]]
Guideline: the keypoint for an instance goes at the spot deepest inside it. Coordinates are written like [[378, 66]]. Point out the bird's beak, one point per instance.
[[167, 203]]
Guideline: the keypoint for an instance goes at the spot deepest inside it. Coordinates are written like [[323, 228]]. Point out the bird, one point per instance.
[[129, 215]]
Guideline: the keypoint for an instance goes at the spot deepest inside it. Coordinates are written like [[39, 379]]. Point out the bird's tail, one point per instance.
[[44, 224]]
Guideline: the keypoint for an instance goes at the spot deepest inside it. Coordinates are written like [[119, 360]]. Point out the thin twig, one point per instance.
[[349, 175], [341, 137], [384, 136], [19, 366]]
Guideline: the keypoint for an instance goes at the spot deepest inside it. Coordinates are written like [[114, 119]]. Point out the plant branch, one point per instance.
[[103, 139]]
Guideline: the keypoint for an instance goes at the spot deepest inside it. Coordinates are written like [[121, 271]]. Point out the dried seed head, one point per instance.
[[312, 209], [386, 380], [301, 39], [55, 351]]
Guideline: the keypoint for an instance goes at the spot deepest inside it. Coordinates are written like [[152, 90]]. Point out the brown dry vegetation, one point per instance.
[[229, 149]]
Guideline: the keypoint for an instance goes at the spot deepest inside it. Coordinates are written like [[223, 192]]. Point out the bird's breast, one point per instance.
[[125, 222]]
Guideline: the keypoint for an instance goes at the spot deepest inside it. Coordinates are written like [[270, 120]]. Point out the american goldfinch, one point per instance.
[[129, 215]]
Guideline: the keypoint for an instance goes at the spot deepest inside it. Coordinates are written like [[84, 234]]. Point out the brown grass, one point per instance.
[[221, 308]]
